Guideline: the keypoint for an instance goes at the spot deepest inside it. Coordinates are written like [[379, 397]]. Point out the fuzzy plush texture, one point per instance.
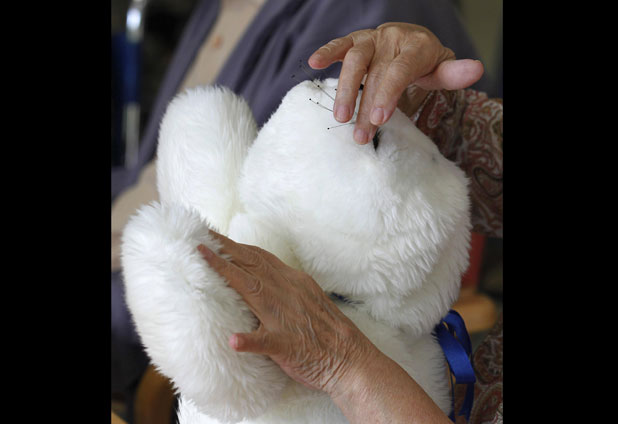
[[386, 227]]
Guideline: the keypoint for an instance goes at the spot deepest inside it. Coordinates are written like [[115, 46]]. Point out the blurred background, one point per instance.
[[137, 73]]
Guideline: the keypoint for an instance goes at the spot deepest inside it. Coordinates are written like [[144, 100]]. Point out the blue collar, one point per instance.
[[455, 342]]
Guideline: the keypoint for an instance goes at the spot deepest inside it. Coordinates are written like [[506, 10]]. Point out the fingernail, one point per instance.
[[315, 56], [206, 252], [360, 136], [342, 112], [377, 116], [234, 342]]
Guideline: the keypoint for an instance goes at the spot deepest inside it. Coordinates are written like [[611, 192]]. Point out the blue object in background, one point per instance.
[[126, 68]]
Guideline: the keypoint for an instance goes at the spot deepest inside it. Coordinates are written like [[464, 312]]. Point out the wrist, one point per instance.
[[362, 391], [351, 360], [377, 390]]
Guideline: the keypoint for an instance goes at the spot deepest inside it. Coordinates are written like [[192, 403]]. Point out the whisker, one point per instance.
[[341, 125], [321, 105], [312, 78]]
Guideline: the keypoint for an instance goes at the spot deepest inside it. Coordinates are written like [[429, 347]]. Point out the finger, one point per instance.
[[354, 68], [248, 258], [267, 267], [453, 75], [220, 237], [237, 252], [364, 129], [230, 246], [332, 51], [247, 285], [252, 259], [407, 67], [259, 341]]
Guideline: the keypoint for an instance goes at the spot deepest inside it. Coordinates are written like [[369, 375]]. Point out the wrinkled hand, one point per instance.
[[300, 328], [395, 57]]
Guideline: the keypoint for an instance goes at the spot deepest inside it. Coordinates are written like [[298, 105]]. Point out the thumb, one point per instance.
[[452, 75], [257, 342]]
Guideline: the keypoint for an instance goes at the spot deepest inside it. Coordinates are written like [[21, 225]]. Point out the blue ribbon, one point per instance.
[[455, 342]]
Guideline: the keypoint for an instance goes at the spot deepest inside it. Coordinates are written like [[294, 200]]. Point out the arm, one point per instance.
[[315, 343], [380, 391]]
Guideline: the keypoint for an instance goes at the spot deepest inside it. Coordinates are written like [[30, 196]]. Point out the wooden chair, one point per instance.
[[117, 420], [154, 399]]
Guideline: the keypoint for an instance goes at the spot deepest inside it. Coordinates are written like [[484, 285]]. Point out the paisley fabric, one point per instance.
[[466, 126]]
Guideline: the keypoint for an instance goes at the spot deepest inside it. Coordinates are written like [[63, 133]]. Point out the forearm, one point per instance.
[[315, 343], [380, 391]]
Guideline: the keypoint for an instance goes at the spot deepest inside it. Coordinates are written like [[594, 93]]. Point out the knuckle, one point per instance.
[[259, 251], [259, 265], [331, 46], [254, 286], [392, 31], [399, 70], [356, 58], [376, 74], [361, 35], [337, 42], [253, 259], [421, 37], [449, 54], [266, 342]]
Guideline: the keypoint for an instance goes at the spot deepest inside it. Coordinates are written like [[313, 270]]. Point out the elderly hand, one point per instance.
[[313, 342], [395, 57], [300, 328]]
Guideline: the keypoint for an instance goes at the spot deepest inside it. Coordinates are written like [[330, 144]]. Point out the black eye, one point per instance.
[[376, 140]]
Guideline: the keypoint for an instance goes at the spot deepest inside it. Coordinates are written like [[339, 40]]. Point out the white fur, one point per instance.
[[203, 141], [185, 314], [386, 227]]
